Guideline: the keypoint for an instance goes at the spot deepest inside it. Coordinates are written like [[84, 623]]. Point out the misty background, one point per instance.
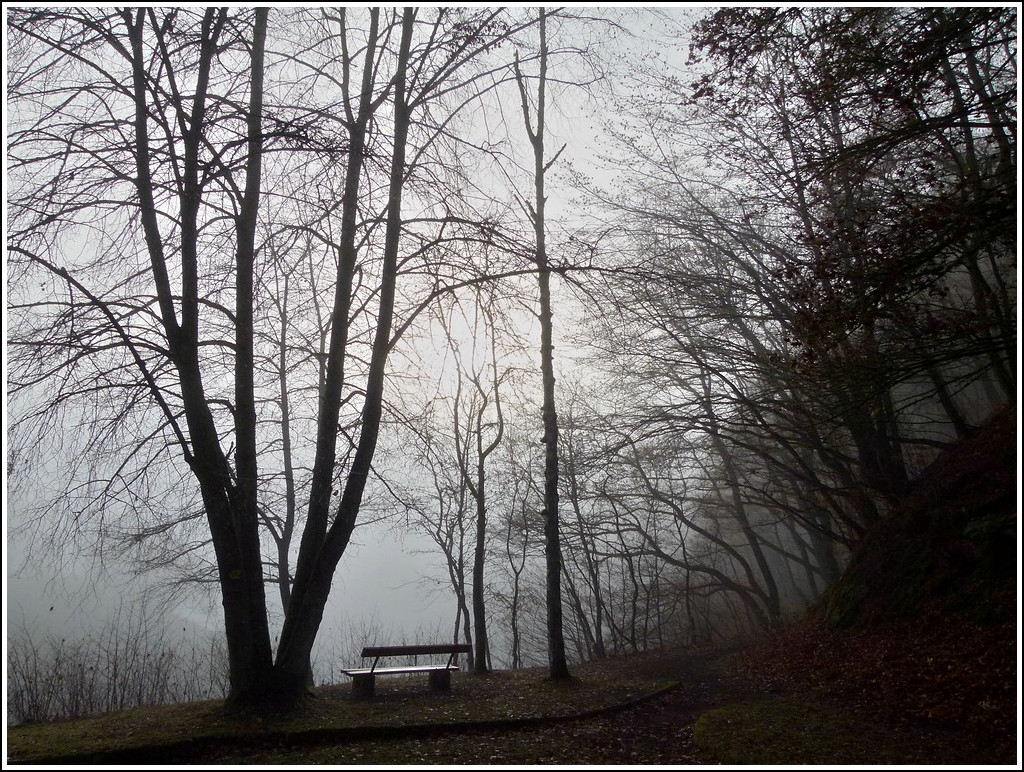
[[779, 296]]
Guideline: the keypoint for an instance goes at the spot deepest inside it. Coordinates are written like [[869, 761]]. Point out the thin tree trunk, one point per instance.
[[559, 667], [479, 606]]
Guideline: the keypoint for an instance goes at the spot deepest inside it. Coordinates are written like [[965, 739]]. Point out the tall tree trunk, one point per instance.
[[318, 559], [322, 479], [283, 538], [479, 607], [478, 489], [229, 501], [559, 667], [246, 466], [517, 571]]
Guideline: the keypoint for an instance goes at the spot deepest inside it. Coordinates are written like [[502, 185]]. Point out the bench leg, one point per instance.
[[440, 680], [362, 685]]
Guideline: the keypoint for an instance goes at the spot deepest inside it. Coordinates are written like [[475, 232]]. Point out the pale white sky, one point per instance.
[[377, 578]]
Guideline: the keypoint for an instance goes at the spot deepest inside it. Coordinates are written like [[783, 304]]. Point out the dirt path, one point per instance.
[[656, 730], [659, 731], [770, 722]]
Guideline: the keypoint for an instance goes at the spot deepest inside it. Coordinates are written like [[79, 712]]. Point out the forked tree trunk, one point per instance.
[[229, 500], [318, 559]]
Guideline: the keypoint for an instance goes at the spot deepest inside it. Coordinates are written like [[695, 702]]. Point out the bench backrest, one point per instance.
[[405, 651]]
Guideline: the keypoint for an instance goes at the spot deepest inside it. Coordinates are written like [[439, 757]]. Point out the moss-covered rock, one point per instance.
[[949, 546]]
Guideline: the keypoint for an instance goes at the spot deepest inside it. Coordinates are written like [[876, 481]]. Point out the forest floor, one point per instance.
[[899, 696]]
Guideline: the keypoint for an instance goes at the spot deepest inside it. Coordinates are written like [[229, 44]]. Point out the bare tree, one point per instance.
[[138, 121], [484, 436], [457, 451], [443, 512], [787, 287], [534, 122]]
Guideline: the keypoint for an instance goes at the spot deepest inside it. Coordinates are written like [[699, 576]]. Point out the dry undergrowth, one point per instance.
[[333, 713], [782, 703]]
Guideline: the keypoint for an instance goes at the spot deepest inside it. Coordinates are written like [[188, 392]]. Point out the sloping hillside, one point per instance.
[[923, 623], [951, 546]]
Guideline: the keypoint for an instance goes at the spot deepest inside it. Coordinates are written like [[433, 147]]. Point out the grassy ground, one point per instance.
[[403, 706], [806, 729], [670, 708]]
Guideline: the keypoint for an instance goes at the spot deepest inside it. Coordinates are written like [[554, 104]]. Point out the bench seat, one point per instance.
[[363, 678], [398, 669]]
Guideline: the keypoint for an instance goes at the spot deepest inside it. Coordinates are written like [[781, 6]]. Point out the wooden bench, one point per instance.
[[440, 676]]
